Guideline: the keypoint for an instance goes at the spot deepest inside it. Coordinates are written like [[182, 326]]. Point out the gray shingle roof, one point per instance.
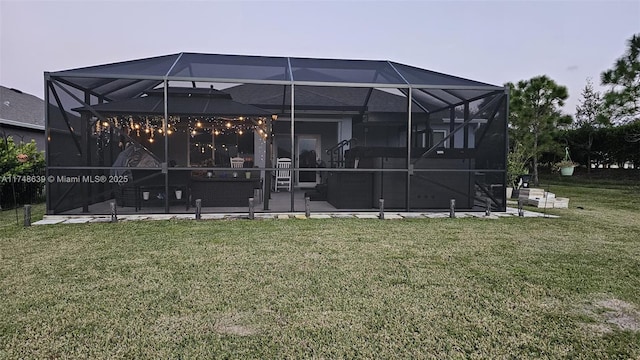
[[182, 101], [277, 97], [20, 109]]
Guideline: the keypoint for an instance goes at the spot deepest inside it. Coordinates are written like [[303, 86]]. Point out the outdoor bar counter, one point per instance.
[[223, 191]]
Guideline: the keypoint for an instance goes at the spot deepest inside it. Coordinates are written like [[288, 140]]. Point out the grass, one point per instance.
[[339, 288]]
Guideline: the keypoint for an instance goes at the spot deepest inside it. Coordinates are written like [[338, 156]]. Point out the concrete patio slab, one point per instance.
[[71, 219], [79, 220], [48, 221], [366, 216]]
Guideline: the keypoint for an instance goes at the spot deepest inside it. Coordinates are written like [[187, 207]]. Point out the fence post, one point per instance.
[[487, 211], [307, 206], [520, 211], [114, 212], [452, 208], [381, 204], [251, 208], [27, 215], [198, 209]]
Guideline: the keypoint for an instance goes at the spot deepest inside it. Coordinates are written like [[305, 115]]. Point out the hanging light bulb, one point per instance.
[[136, 126], [217, 132], [199, 124], [169, 131], [193, 132], [259, 121], [228, 125], [150, 140], [240, 132], [241, 118]]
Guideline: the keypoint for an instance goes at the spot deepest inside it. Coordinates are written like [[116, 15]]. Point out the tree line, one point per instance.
[[604, 131]]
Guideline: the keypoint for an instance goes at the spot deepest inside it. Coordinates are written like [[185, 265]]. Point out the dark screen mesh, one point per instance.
[[419, 76], [156, 66], [350, 71], [231, 67]]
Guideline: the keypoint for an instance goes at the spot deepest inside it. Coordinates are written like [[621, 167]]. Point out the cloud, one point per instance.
[[572, 68]]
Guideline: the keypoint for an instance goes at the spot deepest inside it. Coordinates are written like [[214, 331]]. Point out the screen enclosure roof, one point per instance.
[[128, 79]]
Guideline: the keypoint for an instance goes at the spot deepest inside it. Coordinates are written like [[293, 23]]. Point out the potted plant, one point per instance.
[[566, 166]]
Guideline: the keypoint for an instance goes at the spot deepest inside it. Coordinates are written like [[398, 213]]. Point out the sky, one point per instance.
[[488, 41]]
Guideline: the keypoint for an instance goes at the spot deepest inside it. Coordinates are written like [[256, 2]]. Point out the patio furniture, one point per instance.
[[237, 162], [282, 177]]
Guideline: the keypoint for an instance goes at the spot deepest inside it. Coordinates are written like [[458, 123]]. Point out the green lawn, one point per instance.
[[339, 288]]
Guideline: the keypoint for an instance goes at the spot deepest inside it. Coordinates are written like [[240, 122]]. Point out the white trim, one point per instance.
[[444, 135]]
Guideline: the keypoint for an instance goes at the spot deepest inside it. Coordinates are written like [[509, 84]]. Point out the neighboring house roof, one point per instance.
[[18, 109]]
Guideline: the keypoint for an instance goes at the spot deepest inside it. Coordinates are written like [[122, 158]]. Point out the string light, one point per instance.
[[153, 125]]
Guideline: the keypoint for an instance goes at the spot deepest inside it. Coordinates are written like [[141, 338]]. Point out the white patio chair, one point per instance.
[[237, 162], [282, 178]]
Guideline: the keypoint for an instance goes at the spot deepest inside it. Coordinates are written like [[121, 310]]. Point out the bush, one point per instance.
[[22, 170]]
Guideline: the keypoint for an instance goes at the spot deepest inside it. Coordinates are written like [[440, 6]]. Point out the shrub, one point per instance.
[[16, 162]]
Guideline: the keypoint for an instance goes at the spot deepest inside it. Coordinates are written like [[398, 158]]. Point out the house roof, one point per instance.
[[182, 101], [278, 98], [18, 109]]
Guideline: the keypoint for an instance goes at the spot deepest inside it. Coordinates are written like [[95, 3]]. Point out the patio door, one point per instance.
[[308, 149]]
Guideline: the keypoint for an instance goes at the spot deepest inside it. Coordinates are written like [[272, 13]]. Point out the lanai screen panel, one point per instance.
[[417, 76], [208, 66], [155, 66], [362, 93], [344, 71]]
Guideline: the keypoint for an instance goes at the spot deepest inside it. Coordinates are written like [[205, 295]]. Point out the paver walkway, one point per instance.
[[388, 215]]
